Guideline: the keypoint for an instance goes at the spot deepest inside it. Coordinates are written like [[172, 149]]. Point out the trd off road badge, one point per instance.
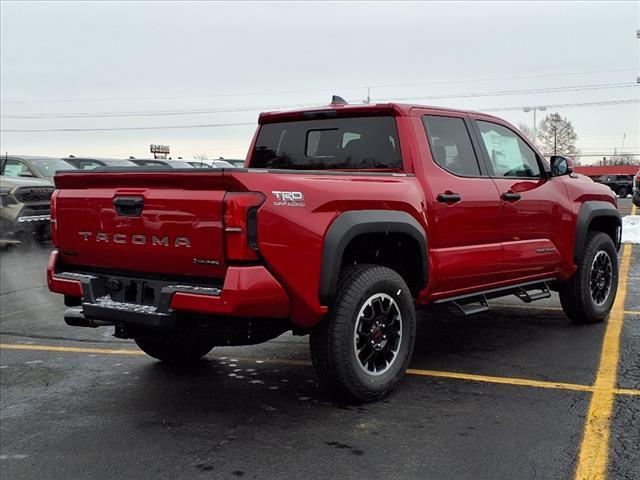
[[288, 199]]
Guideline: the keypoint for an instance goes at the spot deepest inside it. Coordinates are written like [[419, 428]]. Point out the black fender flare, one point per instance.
[[349, 225], [588, 212]]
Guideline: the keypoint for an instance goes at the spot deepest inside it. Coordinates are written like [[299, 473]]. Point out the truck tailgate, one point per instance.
[[165, 222]]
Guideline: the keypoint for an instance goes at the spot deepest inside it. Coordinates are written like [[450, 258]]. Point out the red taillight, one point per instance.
[[54, 223], [241, 225]]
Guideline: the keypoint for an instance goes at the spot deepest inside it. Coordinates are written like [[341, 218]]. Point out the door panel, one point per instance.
[[533, 206], [530, 226], [465, 207]]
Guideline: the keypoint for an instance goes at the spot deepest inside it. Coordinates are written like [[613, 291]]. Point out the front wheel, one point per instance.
[[362, 348], [623, 192], [588, 296], [174, 348]]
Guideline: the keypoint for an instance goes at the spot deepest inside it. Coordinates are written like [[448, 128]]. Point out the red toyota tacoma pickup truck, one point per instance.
[[344, 221]]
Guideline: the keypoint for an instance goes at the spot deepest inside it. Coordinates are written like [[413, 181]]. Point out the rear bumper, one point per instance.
[[247, 292]]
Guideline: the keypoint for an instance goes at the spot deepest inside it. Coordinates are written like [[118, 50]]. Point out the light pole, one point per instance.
[[535, 125]]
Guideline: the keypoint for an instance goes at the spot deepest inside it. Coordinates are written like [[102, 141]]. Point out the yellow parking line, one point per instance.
[[502, 380], [53, 348], [594, 449], [524, 382]]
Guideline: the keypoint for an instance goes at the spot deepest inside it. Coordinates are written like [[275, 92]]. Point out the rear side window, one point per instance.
[[336, 143], [451, 145]]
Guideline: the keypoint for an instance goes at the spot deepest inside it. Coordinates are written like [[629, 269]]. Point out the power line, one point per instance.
[[570, 105], [569, 88], [166, 127], [518, 92], [215, 125], [243, 94]]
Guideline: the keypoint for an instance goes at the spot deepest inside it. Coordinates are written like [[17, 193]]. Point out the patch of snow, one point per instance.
[[631, 229]]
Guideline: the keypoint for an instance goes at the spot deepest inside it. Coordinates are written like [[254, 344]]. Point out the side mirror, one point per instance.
[[561, 166], [26, 173]]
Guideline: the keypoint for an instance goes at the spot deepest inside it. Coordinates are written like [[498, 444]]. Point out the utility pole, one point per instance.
[[555, 136], [535, 124], [368, 99]]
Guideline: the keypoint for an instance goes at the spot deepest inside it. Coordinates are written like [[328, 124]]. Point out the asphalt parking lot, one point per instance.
[[516, 393]]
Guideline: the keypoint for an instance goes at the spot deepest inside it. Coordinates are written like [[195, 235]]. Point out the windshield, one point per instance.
[[48, 167], [335, 143]]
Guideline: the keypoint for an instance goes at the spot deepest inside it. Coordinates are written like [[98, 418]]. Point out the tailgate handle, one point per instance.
[[128, 206]]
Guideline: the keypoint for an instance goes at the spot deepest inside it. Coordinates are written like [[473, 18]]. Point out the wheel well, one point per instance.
[[605, 224], [397, 251]]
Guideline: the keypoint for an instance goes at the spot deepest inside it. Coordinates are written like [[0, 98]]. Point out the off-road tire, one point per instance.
[[575, 294], [172, 348], [332, 341], [623, 192]]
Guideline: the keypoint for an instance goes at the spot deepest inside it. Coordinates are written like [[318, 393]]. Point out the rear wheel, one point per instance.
[[589, 295], [172, 348], [623, 192], [363, 347]]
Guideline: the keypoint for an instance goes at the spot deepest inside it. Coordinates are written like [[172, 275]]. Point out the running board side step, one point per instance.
[[473, 303]]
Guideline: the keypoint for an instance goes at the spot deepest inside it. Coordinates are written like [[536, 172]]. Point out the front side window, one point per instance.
[[333, 143], [451, 145], [510, 156], [13, 168]]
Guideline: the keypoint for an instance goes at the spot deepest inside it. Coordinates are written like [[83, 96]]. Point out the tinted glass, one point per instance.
[[509, 155], [88, 165], [337, 143], [451, 145]]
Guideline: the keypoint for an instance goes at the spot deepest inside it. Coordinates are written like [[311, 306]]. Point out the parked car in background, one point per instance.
[[33, 167], [621, 184], [84, 163], [636, 189], [25, 205], [235, 162], [210, 164], [155, 162]]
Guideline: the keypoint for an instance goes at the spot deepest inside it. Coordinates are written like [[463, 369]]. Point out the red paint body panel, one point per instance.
[[267, 299], [476, 244], [61, 285]]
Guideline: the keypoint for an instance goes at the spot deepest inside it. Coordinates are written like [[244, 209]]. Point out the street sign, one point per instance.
[[159, 151]]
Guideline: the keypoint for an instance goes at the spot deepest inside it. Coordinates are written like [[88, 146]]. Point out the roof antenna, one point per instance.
[[337, 100]]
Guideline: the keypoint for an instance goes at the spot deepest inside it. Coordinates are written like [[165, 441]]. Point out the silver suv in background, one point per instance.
[[32, 167], [25, 206]]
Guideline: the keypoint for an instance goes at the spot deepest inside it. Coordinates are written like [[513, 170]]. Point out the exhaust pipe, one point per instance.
[[75, 318]]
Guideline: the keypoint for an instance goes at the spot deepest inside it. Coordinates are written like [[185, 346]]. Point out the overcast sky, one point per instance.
[[108, 58]]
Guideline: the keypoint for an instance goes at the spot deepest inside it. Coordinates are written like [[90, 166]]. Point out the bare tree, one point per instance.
[[200, 156], [556, 136], [528, 132]]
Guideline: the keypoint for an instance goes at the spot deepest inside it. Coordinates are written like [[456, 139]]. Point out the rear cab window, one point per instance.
[[358, 143]]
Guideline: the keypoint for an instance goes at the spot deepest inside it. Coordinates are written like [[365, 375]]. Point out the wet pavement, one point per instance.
[[501, 395]]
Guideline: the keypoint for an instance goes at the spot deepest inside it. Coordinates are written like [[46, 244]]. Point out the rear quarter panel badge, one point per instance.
[[288, 199]]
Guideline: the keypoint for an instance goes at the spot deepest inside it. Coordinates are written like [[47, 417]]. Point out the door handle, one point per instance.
[[448, 197], [511, 196]]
